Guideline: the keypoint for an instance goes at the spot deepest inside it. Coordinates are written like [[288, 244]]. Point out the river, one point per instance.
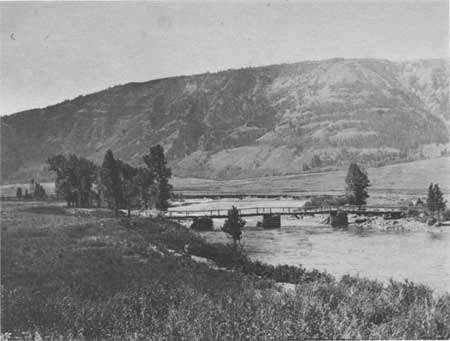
[[419, 256]]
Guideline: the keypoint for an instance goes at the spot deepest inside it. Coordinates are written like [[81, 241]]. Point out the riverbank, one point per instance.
[[409, 224], [376, 248], [67, 275]]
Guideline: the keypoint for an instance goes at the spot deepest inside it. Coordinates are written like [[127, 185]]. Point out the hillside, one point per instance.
[[276, 119]]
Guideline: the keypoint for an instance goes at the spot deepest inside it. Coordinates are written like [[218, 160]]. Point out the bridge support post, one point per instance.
[[338, 218], [271, 221], [202, 224]]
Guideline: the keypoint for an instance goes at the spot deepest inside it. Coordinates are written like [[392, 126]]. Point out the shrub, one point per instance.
[[414, 212], [446, 214]]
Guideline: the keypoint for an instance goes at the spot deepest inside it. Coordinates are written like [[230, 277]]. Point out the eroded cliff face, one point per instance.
[[248, 122]]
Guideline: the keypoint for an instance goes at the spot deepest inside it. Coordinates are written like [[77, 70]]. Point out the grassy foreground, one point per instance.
[[75, 275]]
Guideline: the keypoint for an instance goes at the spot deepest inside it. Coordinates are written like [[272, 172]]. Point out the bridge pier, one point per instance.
[[202, 224], [271, 221], [394, 215], [338, 218]]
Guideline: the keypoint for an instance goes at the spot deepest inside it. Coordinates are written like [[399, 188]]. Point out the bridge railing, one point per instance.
[[283, 210], [224, 212]]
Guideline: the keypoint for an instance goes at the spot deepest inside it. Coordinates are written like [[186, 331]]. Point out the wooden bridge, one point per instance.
[[386, 211]]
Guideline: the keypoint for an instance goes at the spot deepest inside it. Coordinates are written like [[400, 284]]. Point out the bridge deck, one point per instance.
[[258, 211]]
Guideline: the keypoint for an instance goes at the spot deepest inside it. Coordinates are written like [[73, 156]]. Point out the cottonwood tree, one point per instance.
[[143, 182], [137, 184], [74, 179], [110, 175], [435, 201], [233, 225], [63, 189], [316, 161], [82, 174], [123, 185], [39, 191], [357, 184], [157, 164], [430, 199], [129, 185], [440, 202]]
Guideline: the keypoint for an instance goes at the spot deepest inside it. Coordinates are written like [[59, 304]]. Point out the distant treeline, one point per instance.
[[115, 183], [36, 191]]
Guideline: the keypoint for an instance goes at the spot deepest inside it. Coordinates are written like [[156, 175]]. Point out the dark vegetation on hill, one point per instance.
[[257, 121], [83, 275]]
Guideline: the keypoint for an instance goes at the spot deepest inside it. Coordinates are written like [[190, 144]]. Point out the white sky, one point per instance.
[[54, 51]]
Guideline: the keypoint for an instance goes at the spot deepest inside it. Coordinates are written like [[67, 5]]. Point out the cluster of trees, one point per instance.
[[377, 159], [37, 192], [435, 201], [82, 183], [127, 187], [74, 181]]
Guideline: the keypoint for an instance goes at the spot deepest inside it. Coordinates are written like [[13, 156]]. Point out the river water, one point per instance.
[[419, 256]]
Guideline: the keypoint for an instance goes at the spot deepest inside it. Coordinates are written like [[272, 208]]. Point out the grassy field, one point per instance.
[[78, 274], [410, 178]]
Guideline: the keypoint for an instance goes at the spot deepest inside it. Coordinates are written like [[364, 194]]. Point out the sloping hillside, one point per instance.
[[268, 120]]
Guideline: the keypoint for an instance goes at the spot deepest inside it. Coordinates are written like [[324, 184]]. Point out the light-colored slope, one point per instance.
[[407, 178]]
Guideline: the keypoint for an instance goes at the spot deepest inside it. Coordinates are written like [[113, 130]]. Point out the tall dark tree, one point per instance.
[[435, 201], [316, 161], [81, 174], [440, 202], [19, 192], [233, 225], [431, 199], [357, 184], [39, 191], [63, 188], [157, 164], [129, 185], [143, 181], [110, 174]]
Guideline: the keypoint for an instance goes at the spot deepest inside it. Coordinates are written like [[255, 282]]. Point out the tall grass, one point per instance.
[[116, 279]]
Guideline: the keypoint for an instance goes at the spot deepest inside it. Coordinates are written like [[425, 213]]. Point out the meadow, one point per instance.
[[84, 275], [408, 178]]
